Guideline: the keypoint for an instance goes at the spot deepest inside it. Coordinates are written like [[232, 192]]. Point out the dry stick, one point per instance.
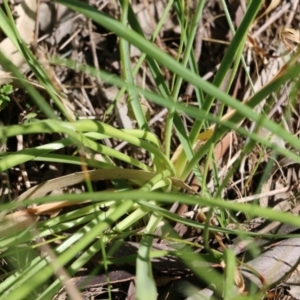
[[262, 195], [70, 39], [59, 270], [292, 12], [22, 166], [36, 30], [20, 146], [87, 100], [153, 22], [272, 18], [20, 137], [242, 245], [278, 104], [96, 63]]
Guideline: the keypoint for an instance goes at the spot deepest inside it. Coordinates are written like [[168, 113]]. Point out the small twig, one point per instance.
[[271, 20], [36, 29], [292, 12], [258, 196], [96, 63]]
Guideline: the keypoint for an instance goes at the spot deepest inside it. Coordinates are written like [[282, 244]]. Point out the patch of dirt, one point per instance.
[[64, 33]]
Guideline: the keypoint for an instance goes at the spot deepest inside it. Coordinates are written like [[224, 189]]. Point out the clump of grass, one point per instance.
[[143, 191]]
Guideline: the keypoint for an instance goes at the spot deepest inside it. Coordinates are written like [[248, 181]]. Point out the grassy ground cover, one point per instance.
[[134, 176]]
